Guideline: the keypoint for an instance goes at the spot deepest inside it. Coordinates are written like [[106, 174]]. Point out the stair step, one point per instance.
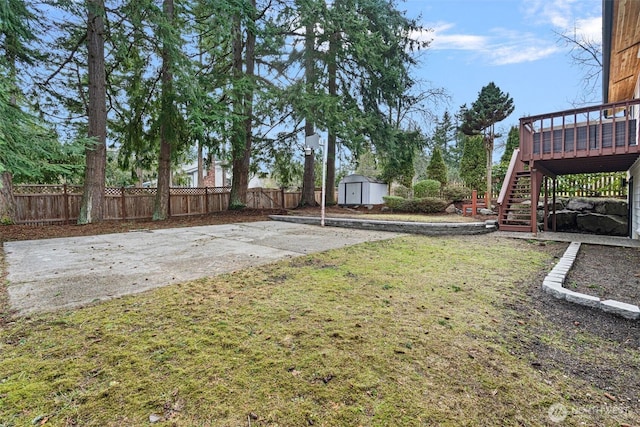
[[515, 214], [511, 227]]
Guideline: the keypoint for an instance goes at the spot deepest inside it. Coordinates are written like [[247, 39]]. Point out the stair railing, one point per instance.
[[509, 176]]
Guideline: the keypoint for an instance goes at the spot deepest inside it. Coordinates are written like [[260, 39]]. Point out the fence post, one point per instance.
[[65, 198], [206, 199], [282, 193], [124, 204], [474, 202]]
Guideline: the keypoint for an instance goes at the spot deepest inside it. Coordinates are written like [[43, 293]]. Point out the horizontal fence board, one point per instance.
[[54, 204]]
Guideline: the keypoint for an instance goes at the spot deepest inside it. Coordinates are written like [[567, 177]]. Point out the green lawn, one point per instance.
[[406, 332]]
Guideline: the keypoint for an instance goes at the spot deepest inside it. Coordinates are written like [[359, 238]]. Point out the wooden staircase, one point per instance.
[[514, 202], [515, 213]]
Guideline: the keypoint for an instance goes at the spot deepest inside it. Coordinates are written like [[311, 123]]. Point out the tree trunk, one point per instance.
[[161, 206], [200, 182], [489, 149], [308, 178], [330, 195], [91, 208], [7, 201], [243, 103]]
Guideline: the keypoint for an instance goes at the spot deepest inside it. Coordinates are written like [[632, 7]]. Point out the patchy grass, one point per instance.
[[406, 332]]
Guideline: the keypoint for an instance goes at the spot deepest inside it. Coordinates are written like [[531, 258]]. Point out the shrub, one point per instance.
[[394, 202], [456, 193], [430, 205], [407, 205], [437, 169], [402, 191], [422, 205], [426, 188]]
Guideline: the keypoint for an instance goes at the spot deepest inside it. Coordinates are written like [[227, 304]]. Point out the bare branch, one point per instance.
[[586, 54]]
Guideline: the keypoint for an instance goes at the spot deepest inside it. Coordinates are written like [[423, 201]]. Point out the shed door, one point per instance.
[[353, 193]]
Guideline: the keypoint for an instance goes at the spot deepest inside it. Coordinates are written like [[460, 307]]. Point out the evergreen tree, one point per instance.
[[30, 152], [491, 107], [437, 169], [513, 142], [444, 138], [474, 162]]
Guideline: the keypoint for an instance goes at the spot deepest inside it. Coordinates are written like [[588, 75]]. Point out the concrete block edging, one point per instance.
[[426, 228], [554, 281]]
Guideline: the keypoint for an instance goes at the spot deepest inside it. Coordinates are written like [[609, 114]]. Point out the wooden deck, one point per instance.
[[602, 138], [608, 133]]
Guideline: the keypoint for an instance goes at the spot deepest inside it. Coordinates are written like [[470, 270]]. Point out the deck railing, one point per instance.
[[606, 129]]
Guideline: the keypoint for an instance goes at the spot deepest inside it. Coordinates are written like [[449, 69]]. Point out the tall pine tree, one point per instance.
[[491, 107]]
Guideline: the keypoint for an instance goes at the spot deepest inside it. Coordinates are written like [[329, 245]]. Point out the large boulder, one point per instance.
[[565, 220], [559, 205], [612, 207], [451, 209], [612, 225], [580, 205]]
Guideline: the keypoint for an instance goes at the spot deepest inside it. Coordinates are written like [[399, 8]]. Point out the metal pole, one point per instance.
[[324, 181]]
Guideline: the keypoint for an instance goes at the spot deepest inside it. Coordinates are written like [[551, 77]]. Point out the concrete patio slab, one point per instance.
[[54, 274]]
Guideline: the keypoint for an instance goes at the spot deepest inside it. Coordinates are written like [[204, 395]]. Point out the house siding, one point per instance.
[[634, 172]]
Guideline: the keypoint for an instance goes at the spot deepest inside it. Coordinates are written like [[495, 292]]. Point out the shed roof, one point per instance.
[[361, 178]]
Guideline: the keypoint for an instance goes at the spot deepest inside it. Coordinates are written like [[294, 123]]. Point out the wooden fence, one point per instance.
[[592, 185], [60, 204]]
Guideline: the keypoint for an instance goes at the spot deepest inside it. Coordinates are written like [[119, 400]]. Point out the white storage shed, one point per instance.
[[361, 190]]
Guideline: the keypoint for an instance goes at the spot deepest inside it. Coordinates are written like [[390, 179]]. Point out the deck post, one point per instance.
[[535, 193], [554, 221], [546, 204]]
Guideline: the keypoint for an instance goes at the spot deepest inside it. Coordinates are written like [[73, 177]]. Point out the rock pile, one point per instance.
[[595, 216]]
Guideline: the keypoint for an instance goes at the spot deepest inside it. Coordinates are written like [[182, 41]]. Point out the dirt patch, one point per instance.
[[606, 272], [34, 232], [577, 342]]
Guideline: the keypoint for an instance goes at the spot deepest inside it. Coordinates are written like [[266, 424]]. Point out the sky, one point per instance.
[[513, 43]]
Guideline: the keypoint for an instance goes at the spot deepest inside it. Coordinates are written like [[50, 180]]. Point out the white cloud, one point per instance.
[[590, 28], [498, 47], [556, 12], [582, 17]]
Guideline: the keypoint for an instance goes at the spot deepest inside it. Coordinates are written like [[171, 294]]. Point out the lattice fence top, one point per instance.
[[137, 191], [110, 191], [116, 191], [218, 190], [198, 191], [47, 189], [188, 191]]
